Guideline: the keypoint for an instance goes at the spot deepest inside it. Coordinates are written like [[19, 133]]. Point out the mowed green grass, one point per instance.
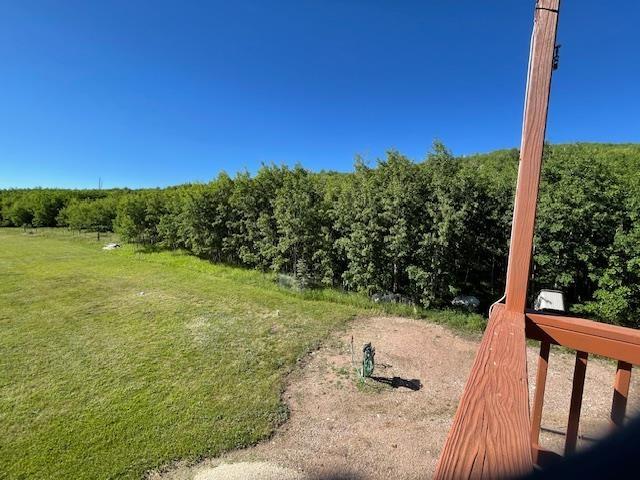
[[116, 362]]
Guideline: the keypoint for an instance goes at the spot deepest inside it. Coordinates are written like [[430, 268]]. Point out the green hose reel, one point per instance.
[[368, 354]]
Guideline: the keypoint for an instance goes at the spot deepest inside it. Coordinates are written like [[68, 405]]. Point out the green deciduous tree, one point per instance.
[[427, 231]]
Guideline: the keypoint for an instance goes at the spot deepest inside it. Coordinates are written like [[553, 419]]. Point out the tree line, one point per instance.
[[428, 231]]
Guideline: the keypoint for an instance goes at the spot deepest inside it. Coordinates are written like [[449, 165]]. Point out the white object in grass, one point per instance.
[[550, 300]]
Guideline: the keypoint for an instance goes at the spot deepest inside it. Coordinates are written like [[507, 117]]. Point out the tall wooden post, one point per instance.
[[490, 433], [541, 61]]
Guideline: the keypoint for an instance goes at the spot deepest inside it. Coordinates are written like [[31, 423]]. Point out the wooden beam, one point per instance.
[[588, 327], [573, 424], [538, 398], [490, 435], [611, 341], [543, 43], [620, 394]]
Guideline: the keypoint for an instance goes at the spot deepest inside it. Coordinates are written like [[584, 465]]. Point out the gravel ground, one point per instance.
[[342, 428]]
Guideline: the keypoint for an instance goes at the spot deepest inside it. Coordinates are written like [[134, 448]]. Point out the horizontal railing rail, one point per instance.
[[597, 338], [586, 337]]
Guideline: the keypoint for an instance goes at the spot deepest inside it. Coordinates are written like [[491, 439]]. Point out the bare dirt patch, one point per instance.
[[342, 428]]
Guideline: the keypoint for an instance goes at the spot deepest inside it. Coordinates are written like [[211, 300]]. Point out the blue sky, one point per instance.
[[159, 93]]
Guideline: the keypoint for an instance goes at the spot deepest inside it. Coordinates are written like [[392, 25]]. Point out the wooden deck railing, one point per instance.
[[489, 437], [586, 337], [494, 435]]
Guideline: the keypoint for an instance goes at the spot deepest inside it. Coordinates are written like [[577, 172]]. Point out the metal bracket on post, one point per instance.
[[556, 57]]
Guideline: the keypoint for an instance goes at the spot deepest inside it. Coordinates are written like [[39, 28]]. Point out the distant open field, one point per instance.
[[116, 362]]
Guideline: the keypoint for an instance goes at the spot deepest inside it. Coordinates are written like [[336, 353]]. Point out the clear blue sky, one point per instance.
[[159, 93]]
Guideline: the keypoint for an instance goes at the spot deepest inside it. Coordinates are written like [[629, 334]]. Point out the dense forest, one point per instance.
[[428, 231]]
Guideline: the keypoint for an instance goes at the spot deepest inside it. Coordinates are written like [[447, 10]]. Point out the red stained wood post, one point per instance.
[[620, 394], [576, 402], [490, 434], [538, 399], [543, 42]]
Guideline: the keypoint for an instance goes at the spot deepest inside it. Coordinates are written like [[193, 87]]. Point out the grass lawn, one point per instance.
[[116, 362]]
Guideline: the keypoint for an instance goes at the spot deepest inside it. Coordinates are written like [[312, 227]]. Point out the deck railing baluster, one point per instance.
[[620, 394], [585, 337], [538, 399], [576, 402]]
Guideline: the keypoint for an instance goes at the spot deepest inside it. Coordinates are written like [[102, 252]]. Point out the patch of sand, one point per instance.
[[341, 428], [248, 471]]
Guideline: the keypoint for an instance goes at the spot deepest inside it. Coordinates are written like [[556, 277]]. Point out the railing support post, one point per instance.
[[490, 435], [538, 399], [576, 402], [620, 394], [543, 42]]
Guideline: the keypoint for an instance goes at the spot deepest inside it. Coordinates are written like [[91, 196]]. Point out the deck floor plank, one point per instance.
[[492, 425]]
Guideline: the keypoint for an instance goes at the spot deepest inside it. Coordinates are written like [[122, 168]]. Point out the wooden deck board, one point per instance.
[[490, 433]]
